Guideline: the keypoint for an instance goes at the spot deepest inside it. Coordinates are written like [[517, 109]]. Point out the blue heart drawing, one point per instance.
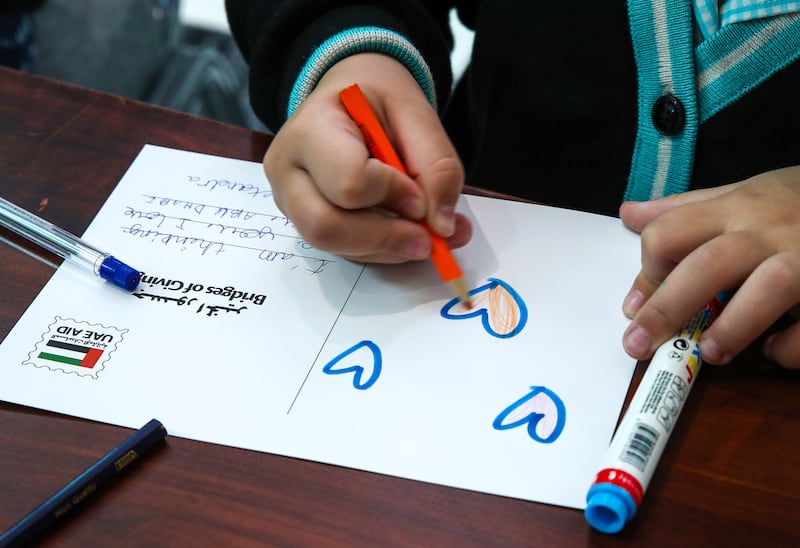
[[541, 410], [335, 367], [500, 308]]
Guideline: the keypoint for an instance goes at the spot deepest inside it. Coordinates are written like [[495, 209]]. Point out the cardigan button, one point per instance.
[[669, 115]]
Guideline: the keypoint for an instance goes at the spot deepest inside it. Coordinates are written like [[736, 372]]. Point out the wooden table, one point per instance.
[[730, 475]]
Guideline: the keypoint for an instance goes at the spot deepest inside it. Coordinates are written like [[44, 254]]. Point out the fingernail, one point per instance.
[[446, 220], [637, 343], [417, 247], [769, 353], [633, 302], [710, 351]]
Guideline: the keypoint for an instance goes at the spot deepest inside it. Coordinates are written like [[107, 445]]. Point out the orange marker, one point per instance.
[[380, 147]]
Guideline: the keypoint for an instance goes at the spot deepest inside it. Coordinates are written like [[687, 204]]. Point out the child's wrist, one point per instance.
[[360, 40]]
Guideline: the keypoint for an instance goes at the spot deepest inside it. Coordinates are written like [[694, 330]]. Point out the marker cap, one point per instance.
[[119, 274], [609, 507]]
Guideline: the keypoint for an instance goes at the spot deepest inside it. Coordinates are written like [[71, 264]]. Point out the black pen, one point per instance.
[[76, 492]]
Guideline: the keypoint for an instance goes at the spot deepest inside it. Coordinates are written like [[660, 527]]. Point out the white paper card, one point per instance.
[[242, 334]]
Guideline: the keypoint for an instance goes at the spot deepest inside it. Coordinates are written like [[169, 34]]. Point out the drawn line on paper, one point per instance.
[[335, 366], [324, 342], [501, 309], [540, 410]]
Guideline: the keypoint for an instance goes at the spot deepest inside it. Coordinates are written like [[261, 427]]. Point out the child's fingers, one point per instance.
[[462, 234], [412, 126], [771, 290], [784, 347], [338, 161], [460, 238], [666, 241], [431, 160], [363, 233], [720, 264], [637, 215], [342, 200], [323, 141]]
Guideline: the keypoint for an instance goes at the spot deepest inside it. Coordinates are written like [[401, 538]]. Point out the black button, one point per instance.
[[668, 114]]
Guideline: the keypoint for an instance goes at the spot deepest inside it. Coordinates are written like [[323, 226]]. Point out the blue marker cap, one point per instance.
[[609, 507], [119, 274]]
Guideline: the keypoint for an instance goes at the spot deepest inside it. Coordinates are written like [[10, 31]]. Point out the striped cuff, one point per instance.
[[360, 40]]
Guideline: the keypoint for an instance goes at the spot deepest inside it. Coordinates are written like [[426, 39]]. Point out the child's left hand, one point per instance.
[[694, 245]]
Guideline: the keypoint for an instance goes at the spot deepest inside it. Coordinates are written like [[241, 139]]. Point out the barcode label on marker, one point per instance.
[[640, 446]]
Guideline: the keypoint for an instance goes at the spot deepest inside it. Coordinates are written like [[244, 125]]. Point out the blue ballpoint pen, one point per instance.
[[67, 246]]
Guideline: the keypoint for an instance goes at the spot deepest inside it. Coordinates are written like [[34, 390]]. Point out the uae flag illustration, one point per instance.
[[72, 354]]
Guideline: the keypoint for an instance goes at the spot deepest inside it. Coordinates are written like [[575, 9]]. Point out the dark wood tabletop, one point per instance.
[[730, 475]]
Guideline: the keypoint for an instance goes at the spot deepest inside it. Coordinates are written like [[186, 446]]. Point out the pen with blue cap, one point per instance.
[[67, 246]]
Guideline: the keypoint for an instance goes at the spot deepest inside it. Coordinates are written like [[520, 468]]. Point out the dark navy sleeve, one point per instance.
[[277, 37]]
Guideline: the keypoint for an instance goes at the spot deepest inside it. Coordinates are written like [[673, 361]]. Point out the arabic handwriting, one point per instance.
[[211, 310]]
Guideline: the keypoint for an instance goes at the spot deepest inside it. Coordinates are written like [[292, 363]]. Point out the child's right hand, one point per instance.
[[343, 201]]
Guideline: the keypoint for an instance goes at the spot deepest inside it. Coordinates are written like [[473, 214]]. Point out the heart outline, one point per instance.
[[533, 418], [377, 365], [483, 312]]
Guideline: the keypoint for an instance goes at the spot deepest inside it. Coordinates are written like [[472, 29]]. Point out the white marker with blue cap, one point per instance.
[[643, 433]]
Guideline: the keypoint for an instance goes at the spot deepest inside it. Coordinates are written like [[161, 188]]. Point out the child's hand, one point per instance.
[[694, 245], [342, 200]]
